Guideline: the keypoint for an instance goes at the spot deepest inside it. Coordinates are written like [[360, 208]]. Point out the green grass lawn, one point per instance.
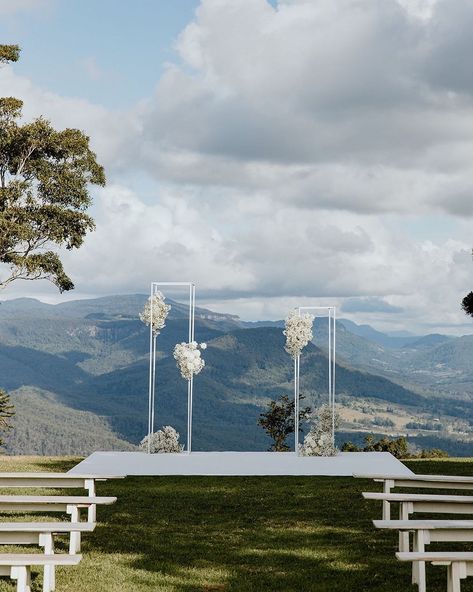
[[237, 534]]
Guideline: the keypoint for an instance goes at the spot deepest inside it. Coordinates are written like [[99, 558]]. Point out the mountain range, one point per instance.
[[78, 375]]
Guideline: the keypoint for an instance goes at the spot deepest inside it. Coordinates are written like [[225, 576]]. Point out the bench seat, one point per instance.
[[18, 566], [459, 565]]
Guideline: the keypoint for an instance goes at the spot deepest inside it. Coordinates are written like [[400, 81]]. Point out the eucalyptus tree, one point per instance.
[[45, 175]]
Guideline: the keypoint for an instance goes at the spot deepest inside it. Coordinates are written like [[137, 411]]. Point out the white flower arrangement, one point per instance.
[[319, 440], [163, 441], [188, 358], [156, 312], [298, 332]]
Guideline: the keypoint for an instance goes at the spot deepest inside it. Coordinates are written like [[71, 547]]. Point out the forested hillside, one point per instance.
[[78, 373]]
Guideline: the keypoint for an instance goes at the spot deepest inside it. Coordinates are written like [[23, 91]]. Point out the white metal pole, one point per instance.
[[189, 415], [296, 403], [150, 385], [190, 384], [153, 385], [153, 381], [330, 357], [334, 370]]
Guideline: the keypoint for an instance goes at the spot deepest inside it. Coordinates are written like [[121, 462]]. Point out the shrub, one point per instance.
[[398, 448], [434, 453]]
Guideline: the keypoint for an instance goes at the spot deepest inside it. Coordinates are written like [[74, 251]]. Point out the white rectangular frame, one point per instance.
[[331, 310], [155, 287]]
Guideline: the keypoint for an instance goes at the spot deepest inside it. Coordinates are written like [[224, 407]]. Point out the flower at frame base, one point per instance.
[[165, 440], [188, 358], [319, 440]]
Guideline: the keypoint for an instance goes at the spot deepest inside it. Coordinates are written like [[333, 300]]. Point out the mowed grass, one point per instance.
[[234, 534]]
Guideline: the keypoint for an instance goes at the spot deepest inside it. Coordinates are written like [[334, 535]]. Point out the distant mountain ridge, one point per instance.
[[91, 357]]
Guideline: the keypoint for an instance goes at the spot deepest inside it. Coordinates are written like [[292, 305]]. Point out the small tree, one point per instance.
[[278, 421]]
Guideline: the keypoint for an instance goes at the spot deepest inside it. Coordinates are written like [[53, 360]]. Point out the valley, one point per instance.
[[84, 364]]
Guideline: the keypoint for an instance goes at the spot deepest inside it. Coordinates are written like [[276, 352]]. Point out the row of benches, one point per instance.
[[459, 564], [18, 565]]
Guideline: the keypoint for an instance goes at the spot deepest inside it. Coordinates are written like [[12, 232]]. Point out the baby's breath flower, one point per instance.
[[188, 359], [298, 332], [155, 311], [319, 440]]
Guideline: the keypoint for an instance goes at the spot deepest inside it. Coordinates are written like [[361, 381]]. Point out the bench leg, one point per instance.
[[92, 510], [403, 536], [418, 567], [386, 505], [456, 571], [21, 574], [49, 577], [74, 541]]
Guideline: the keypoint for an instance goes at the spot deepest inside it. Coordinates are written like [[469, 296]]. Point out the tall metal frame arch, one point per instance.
[[331, 315], [155, 287]]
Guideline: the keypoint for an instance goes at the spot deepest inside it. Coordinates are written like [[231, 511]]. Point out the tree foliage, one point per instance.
[[9, 53], [44, 180], [278, 421], [7, 411], [398, 447], [467, 304]]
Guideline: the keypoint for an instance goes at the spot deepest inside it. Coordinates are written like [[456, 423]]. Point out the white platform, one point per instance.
[[240, 463]]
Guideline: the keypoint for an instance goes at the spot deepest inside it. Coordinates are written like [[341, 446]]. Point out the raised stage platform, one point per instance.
[[240, 464]]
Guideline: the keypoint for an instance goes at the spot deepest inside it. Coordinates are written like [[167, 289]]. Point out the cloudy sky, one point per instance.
[[276, 153]]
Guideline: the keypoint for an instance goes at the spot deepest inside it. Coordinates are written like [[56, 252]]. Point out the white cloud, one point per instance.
[[11, 7], [281, 146], [108, 130], [346, 101]]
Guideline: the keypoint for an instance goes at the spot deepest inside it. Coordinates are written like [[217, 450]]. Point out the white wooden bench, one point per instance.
[[426, 532], [18, 566], [459, 565], [54, 503], [417, 481], [422, 502], [41, 534], [57, 480]]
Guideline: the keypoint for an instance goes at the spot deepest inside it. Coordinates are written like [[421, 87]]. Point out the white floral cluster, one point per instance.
[[162, 441], [156, 312], [319, 440], [188, 358], [298, 332]]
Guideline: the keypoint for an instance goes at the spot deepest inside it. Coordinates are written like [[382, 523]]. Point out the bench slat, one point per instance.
[[424, 524], [18, 559], [418, 497], [60, 499], [56, 527], [64, 476], [415, 477], [435, 556]]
